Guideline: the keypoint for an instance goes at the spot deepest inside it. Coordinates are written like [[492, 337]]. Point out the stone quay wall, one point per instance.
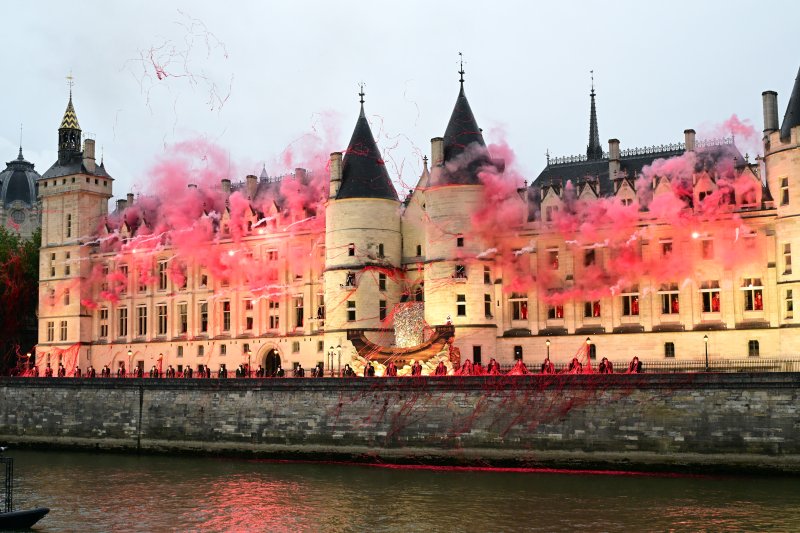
[[653, 422]]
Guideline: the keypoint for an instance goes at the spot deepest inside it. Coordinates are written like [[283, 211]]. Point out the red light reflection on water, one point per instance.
[[495, 469]]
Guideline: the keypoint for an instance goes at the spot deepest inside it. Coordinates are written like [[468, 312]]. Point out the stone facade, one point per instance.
[[427, 245], [688, 422]]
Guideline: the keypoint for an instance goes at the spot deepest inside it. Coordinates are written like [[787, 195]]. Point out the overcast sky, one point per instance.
[[253, 77]]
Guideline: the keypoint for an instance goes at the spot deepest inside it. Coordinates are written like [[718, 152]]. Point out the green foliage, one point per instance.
[[19, 288]]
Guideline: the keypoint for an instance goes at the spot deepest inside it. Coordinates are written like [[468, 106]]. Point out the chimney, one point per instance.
[[437, 151], [129, 203], [688, 139], [770, 101], [121, 205], [226, 186], [88, 155], [252, 185], [613, 158], [336, 174]]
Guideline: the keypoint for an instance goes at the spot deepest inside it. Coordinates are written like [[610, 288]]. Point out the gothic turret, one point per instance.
[[593, 150], [792, 116], [69, 135], [364, 173]]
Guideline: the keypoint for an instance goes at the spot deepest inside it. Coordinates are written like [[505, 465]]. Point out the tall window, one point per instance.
[[51, 331], [670, 295], [142, 278], [419, 250], [298, 311], [784, 191], [550, 212], [552, 259], [201, 350], [162, 275], [555, 311], [321, 306], [67, 268], [274, 314], [709, 290], [69, 225], [382, 309], [381, 281], [630, 302], [753, 294], [351, 250], [589, 257], [161, 313], [248, 314], [351, 311], [517, 353], [183, 318], [223, 349], [666, 248], [141, 320], [66, 297], [752, 348], [707, 248], [460, 242], [591, 309], [669, 350], [123, 274], [52, 265], [226, 315], [180, 351], [350, 279], [203, 307], [787, 258], [487, 276], [122, 322], [487, 305], [476, 355], [461, 305], [461, 272], [789, 304], [103, 322], [519, 306], [63, 332], [380, 250]]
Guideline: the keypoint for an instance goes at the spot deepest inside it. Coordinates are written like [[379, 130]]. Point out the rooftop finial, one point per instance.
[[591, 74], [461, 67], [20, 142], [361, 92], [70, 82]]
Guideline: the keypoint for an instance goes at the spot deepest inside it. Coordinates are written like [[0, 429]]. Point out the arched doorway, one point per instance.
[[272, 361]]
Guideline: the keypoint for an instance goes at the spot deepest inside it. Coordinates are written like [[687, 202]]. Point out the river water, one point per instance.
[[107, 492]]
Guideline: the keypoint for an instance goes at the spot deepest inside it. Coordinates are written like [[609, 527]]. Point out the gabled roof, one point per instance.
[[364, 172], [792, 116]]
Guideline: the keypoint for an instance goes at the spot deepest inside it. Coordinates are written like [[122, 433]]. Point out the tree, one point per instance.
[[19, 289]]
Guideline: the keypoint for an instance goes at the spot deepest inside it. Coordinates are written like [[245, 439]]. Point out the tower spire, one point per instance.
[[461, 69], [593, 150]]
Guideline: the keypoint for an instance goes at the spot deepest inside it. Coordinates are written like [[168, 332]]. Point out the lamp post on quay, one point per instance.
[[547, 342], [130, 360], [705, 340], [339, 365], [330, 359]]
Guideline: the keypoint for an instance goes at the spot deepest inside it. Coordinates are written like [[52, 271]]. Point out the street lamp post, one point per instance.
[[547, 342], [705, 340], [339, 364], [330, 359], [130, 360]]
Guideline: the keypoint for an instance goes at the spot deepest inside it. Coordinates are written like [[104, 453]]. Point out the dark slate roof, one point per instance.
[[364, 173], [631, 165], [17, 181], [463, 133], [74, 166], [792, 116]]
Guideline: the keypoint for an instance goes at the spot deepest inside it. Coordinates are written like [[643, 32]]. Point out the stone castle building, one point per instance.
[[378, 255]]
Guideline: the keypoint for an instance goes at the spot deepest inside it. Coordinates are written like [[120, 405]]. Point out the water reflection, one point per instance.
[[101, 492]]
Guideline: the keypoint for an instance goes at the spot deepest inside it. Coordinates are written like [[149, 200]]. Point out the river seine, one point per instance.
[[105, 492]]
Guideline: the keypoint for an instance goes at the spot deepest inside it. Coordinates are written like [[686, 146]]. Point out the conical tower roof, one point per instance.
[[70, 120], [792, 116], [364, 172], [462, 129]]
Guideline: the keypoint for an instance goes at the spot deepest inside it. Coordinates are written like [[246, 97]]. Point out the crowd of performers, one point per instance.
[[467, 368]]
